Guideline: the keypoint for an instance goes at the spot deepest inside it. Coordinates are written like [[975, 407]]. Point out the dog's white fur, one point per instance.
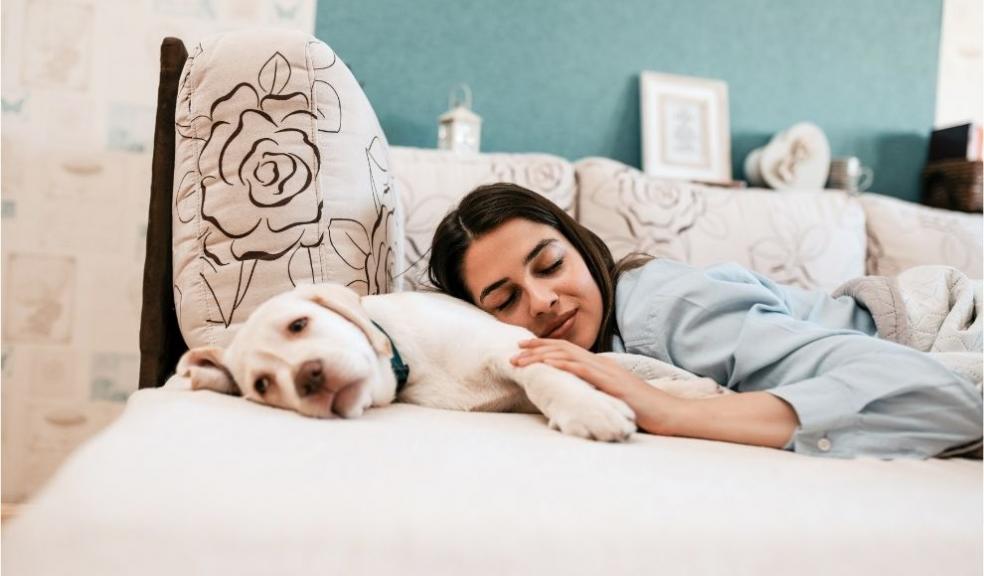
[[458, 357]]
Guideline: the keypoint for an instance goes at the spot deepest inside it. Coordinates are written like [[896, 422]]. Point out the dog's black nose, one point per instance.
[[310, 378]]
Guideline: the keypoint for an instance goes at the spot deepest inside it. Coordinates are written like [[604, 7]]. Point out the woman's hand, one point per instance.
[[602, 373], [654, 408], [756, 418]]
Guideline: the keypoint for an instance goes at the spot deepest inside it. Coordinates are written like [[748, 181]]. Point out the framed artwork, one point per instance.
[[685, 128]]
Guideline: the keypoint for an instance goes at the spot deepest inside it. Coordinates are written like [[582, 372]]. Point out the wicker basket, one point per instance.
[[954, 185]]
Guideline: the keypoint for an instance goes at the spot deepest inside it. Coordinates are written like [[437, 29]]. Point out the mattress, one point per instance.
[[199, 483]]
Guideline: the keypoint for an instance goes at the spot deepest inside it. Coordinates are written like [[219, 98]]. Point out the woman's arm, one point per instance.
[[756, 418], [853, 394]]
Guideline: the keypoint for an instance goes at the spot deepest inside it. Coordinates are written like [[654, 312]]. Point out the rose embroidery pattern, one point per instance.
[[257, 195], [422, 214], [370, 251], [786, 256], [657, 215]]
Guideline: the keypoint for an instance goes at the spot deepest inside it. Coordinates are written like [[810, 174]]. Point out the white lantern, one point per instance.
[[459, 128]]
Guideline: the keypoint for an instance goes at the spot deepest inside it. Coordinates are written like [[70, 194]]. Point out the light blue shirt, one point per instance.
[[854, 394]]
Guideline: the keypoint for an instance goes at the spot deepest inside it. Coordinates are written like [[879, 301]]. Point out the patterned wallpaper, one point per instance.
[[79, 91]]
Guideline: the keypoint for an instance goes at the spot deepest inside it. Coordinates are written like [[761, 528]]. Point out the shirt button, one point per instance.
[[824, 444]]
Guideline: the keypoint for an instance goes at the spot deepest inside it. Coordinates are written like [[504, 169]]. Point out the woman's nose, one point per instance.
[[542, 298]]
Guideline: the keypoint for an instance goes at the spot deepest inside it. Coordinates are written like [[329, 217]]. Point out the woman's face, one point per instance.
[[528, 274]]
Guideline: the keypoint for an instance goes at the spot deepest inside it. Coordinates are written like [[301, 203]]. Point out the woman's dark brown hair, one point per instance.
[[488, 207]]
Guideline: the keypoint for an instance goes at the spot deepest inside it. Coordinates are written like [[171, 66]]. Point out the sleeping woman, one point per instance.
[[812, 375]]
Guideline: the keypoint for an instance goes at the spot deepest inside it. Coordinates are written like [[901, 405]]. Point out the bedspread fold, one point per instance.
[[934, 309]]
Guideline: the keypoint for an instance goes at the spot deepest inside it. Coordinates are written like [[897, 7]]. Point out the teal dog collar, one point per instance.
[[400, 369]]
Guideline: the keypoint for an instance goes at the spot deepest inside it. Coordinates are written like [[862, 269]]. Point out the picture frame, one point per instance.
[[685, 127]]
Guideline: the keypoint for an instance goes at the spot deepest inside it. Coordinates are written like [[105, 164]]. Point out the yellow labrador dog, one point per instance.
[[323, 350]]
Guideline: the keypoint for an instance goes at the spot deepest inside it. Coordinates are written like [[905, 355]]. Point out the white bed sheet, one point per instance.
[[198, 483]]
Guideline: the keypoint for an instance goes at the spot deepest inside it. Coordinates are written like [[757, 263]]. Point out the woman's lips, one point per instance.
[[564, 327]]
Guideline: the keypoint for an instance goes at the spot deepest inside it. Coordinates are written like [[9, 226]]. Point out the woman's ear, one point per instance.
[[205, 369]]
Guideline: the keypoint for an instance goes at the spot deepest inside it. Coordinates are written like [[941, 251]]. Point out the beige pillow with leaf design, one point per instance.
[[810, 239], [904, 234]]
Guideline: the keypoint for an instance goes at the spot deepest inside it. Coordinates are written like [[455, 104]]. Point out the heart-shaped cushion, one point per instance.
[[796, 158]]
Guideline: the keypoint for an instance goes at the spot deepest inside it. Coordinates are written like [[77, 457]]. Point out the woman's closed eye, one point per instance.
[[513, 294], [507, 303], [553, 267]]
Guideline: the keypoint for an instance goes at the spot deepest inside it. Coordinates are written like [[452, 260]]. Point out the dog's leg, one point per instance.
[[570, 404]]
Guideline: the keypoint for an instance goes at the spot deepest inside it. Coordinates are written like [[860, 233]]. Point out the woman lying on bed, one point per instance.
[[813, 375]]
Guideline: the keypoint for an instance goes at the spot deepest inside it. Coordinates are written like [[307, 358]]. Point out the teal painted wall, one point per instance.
[[563, 77]]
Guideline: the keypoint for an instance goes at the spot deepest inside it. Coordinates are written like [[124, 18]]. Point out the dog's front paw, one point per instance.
[[593, 415]]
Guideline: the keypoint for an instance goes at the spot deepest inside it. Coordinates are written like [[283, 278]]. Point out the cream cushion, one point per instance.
[[281, 177], [807, 239], [432, 182], [902, 235]]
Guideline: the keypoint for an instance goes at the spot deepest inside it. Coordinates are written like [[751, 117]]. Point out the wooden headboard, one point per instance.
[[161, 344]]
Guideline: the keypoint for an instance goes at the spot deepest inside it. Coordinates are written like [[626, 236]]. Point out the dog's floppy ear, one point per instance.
[[346, 303], [204, 367]]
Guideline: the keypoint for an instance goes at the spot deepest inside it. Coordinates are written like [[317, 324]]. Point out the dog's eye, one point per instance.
[[297, 326], [261, 385]]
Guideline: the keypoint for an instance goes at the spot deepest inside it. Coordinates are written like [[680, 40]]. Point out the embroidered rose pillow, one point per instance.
[[281, 178], [807, 239]]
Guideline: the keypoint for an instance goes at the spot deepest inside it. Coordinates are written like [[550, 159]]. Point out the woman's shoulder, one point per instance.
[[656, 268], [662, 297], [662, 280], [663, 272], [650, 300], [655, 280]]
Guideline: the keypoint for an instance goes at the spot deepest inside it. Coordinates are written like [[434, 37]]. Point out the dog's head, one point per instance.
[[313, 350]]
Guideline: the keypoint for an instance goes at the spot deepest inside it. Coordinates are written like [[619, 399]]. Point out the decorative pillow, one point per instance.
[[807, 239], [902, 235], [281, 177], [433, 181]]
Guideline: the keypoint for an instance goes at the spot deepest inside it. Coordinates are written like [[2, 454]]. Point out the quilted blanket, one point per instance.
[[935, 309]]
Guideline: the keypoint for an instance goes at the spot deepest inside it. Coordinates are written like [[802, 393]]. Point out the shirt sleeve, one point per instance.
[[854, 394]]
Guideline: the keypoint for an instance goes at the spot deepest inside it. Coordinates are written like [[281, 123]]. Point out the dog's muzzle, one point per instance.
[[310, 378]]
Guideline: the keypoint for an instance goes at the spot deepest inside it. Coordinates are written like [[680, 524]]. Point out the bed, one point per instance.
[[201, 483]]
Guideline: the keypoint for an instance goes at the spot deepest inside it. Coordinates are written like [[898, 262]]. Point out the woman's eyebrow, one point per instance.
[[529, 258]]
